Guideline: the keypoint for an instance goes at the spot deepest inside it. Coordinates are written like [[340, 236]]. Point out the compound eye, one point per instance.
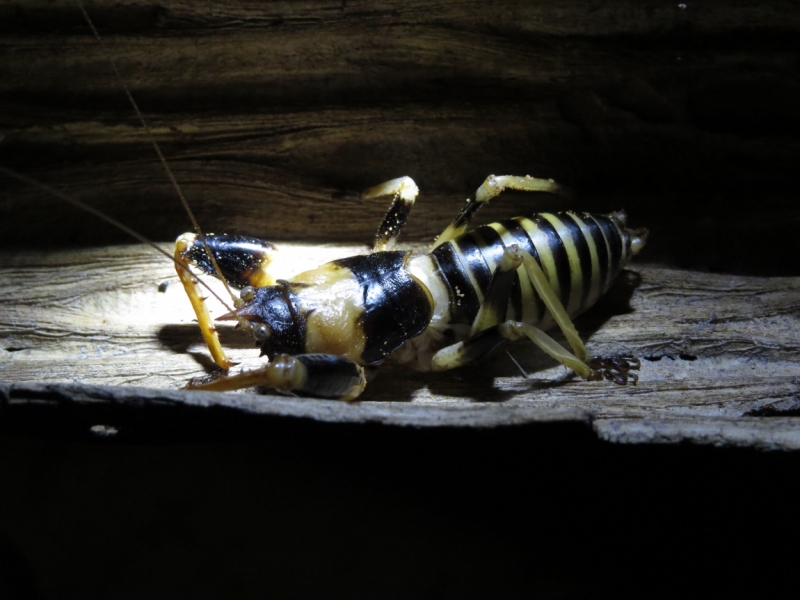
[[262, 333], [247, 293]]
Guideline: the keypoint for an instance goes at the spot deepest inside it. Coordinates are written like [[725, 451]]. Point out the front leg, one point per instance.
[[321, 375], [198, 301], [240, 261]]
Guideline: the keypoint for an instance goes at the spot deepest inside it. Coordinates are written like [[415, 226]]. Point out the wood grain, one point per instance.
[[719, 353], [274, 115]]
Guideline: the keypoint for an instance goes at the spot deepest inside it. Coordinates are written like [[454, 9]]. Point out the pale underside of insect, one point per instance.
[[324, 331]]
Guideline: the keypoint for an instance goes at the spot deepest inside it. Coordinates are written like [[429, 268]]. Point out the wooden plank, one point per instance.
[[717, 351], [274, 116]]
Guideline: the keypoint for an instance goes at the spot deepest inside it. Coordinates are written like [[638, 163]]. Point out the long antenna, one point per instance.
[[123, 84], [101, 215]]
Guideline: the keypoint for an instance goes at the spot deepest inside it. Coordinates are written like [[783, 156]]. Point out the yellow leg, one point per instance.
[[479, 345], [553, 304], [495, 301], [405, 192], [199, 305], [321, 375], [491, 187], [513, 331]]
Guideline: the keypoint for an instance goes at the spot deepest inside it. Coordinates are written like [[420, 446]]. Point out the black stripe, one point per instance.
[[521, 238], [490, 242], [396, 308], [516, 299], [611, 234], [556, 247], [584, 255], [494, 249], [480, 345], [626, 244], [496, 300], [600, 244], [328, 376], [470, 246], [464, 302]]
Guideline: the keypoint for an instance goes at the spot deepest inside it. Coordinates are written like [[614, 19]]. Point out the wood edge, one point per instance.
[[329, 411], [763, 433]]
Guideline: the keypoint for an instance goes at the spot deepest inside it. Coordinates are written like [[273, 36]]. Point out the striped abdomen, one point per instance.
[[580, 254]]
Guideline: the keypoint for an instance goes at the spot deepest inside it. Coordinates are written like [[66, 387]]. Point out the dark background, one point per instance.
[[290, 508]]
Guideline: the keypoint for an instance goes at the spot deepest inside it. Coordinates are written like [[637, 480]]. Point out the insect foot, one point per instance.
[[616, 368]]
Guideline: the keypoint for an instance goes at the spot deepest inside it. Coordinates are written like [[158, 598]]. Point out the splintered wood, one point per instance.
[[720, 353]]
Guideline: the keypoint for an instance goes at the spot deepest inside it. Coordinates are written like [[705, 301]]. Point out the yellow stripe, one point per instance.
[[575, 266], [540, 242], [530, 314], [595, 291]]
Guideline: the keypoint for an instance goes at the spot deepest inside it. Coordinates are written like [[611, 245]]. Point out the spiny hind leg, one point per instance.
[[404, 192], [544, 290], [487, 340], [493, 186], [616, 369], [488, 332], [321, 375]]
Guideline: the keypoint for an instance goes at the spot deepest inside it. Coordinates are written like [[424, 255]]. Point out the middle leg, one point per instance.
[[405, 192], [241, 261]]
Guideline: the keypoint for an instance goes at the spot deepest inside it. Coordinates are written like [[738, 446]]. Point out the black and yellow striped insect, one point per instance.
[[323, 330]]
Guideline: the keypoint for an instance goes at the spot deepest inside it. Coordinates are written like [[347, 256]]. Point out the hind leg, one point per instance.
[[493, 186], [487, 340], [488, 332]]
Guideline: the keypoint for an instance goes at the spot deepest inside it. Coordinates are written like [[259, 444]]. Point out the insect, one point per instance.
[[324, 330]]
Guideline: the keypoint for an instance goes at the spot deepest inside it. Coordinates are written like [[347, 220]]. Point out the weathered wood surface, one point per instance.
[[721, 358], [273, 114]]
